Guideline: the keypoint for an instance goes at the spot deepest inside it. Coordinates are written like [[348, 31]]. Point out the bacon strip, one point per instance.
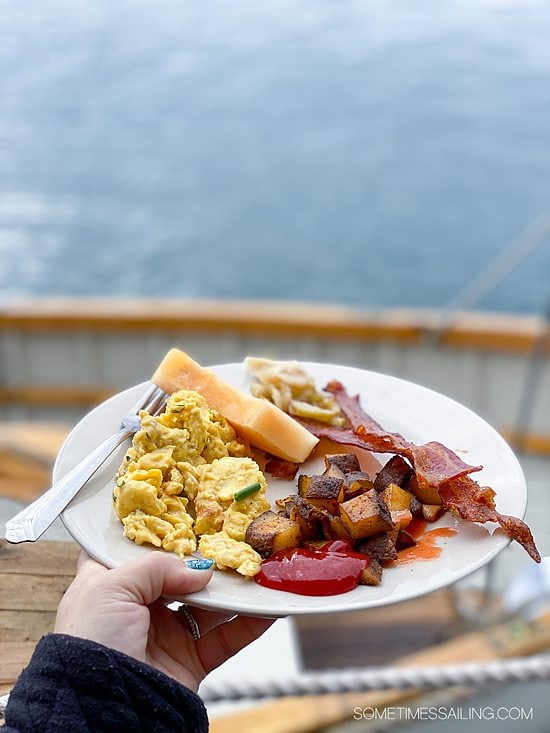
[[434, 465], [433, 462], [464, 497], [352, 409]]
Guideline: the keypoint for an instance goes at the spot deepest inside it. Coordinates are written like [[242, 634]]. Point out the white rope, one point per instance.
[[362, 680], [385, 678]]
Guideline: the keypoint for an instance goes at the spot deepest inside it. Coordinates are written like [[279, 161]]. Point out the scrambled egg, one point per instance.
[[214, 505], [228, 553], [178, 480]]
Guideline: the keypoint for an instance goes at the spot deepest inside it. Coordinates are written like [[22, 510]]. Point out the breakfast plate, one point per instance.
[[420, 414]]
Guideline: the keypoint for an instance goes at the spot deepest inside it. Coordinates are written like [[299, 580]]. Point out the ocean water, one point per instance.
[[369, 152]]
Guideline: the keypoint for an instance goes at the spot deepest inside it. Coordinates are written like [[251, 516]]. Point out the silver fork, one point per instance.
[[34, 520]]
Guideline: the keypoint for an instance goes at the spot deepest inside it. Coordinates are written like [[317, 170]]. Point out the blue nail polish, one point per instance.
[[199, 564]]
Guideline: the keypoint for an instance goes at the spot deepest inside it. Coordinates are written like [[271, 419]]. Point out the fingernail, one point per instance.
[[199, 564]]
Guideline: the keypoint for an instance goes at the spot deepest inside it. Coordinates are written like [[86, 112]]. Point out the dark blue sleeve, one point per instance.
[[77, 685]]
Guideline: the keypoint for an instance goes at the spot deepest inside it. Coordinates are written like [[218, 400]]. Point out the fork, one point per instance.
[[34, 520]]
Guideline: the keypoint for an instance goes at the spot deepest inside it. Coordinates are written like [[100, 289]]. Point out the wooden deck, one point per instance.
[[33, 578], [27, 453]]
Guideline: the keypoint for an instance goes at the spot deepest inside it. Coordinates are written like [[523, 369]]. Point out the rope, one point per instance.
[[362, 680]]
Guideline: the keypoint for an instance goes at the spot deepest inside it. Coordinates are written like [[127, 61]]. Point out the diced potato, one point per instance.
[[381, 547], [338, 530], [333, 470], [325, 492], [396, 471], [396, 498], [355, 483], [270, 532], [346, 462], [401, 518], [432, 512], [425, 494], [365, 515], [372, 575], [416, 506], [314, 522], [404, 539]]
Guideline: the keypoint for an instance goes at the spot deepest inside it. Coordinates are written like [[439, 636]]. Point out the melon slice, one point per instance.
[[260, 422]]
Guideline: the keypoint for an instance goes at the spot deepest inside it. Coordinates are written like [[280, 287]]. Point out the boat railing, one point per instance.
[[58, 358]]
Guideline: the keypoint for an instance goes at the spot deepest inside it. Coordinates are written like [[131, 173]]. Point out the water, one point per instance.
[[369, 152]]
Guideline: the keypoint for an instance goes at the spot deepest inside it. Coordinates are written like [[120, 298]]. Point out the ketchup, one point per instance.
[[328, 571], [426, 547]]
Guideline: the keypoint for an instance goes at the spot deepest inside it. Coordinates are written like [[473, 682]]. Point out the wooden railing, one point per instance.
[[61, 356]]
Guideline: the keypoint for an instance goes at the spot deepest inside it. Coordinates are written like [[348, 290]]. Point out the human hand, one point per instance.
[[122, 609]]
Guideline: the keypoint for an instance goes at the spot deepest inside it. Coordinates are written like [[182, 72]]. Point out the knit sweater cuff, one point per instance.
[[79, 685]]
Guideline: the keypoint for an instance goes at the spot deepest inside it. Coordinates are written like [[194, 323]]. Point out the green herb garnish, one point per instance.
[[246, 492]]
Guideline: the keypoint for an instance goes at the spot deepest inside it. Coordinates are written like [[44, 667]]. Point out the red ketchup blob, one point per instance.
[[328, 571]]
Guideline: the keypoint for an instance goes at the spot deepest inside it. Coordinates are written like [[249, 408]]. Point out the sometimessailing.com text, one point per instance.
[[443, 713]]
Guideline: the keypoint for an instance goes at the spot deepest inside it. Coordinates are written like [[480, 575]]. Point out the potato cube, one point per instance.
[[324, 492], [425, 494], [270, 532], [355, 483], [314, 522], [333, 470], [371, 575], [401, 518], [396, 498], [338, 531], [365, 515], [432, 512], [404, 539], [381, 547], [346, 462], [396, 471]]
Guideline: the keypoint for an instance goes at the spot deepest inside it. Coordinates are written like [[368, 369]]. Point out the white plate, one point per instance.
[[418, 413]]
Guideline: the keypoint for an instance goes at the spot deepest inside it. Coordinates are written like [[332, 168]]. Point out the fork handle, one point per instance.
[[34, 520]]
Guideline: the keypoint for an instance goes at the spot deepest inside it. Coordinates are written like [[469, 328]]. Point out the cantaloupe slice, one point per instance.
[[257, 420]]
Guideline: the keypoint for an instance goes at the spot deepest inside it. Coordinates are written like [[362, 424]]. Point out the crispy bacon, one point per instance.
[[343, 436], [434, 465], [359, 419], [464, 497], [433, 462]]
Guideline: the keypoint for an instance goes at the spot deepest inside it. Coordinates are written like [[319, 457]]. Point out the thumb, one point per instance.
[[157, 573]]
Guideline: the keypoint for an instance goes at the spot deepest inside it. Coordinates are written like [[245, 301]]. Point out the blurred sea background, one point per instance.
[[368, 152]]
